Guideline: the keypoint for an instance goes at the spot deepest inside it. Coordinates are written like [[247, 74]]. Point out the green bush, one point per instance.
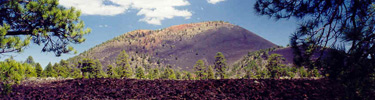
[[140, 73], [153, 74], [303, 72], [13, 72]]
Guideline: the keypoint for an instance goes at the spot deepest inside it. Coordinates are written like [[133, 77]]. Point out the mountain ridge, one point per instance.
[[179, 45]]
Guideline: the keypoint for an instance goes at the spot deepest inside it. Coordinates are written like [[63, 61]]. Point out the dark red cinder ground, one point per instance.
[[320, 89]]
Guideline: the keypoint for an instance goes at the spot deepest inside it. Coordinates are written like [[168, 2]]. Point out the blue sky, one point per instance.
[[111, 18]]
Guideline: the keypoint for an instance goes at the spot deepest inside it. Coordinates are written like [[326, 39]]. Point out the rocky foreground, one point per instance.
[[177, 89]]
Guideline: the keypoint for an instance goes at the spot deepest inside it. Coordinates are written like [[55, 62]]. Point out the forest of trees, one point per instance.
[[13, 72]]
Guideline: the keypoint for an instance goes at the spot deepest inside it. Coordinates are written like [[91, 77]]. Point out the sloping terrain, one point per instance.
[[179, 46], [179, 89], [287, 53]]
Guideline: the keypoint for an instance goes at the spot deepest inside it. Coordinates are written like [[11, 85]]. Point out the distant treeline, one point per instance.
[[255, 67]]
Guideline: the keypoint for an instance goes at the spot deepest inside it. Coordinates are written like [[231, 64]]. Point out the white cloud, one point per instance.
[[94, 7], [154, 11], [157, 10], [214, 1], [103, 26]]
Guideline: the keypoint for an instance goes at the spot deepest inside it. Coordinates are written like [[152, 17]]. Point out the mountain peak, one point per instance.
[[179, 45]]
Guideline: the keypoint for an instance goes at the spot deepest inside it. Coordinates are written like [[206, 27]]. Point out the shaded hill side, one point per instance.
[[179, 46], [179, 89], [287, 53], [256, 62]]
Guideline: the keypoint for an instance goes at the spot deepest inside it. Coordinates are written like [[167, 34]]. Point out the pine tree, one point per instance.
[[87, 67], [29, 70], [220, 65], [30, 60], [251, 66], [178, 75], [189, 76], [275, 65], [122, 62], [61, 70], [43, 22], [98, 70], [12, 72], [168, 74], [303, 72], [338, 33], [76, 73], [210, 73], [111, 72], [49, 71], [154, 74], [199, 69], [140, 73], [39, 70], [172, 75]]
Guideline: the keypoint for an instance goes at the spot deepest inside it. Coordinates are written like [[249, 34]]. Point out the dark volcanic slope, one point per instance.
[[180, 45], [287, 53]]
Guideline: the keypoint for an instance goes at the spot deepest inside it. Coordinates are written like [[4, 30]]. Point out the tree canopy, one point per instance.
[[123, 66], [220, 65], [43, 22], [49, 71], [39, 70], [30, 60], [347, 26], [200, 69], [87, 67]]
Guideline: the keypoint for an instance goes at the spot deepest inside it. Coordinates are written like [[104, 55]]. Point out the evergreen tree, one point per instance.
[[315, 73], [76, 73], [220, 65], [172, 75], [168, 74], [11, 72], [111, 72], [275, 65], [30, 60], [210, 73], [39, 70], [303, 72], [344, 26], [178, 75], [62, 71], [250, 67], [189, 76], [199, 69], [43, 22], [154, 74], [87, 67], [122, 62], [98, 70], [49, 71], [140, 73], [65, 68], [29, 70]]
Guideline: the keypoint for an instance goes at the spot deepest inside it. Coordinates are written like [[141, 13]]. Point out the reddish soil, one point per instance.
[[177, 89]]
